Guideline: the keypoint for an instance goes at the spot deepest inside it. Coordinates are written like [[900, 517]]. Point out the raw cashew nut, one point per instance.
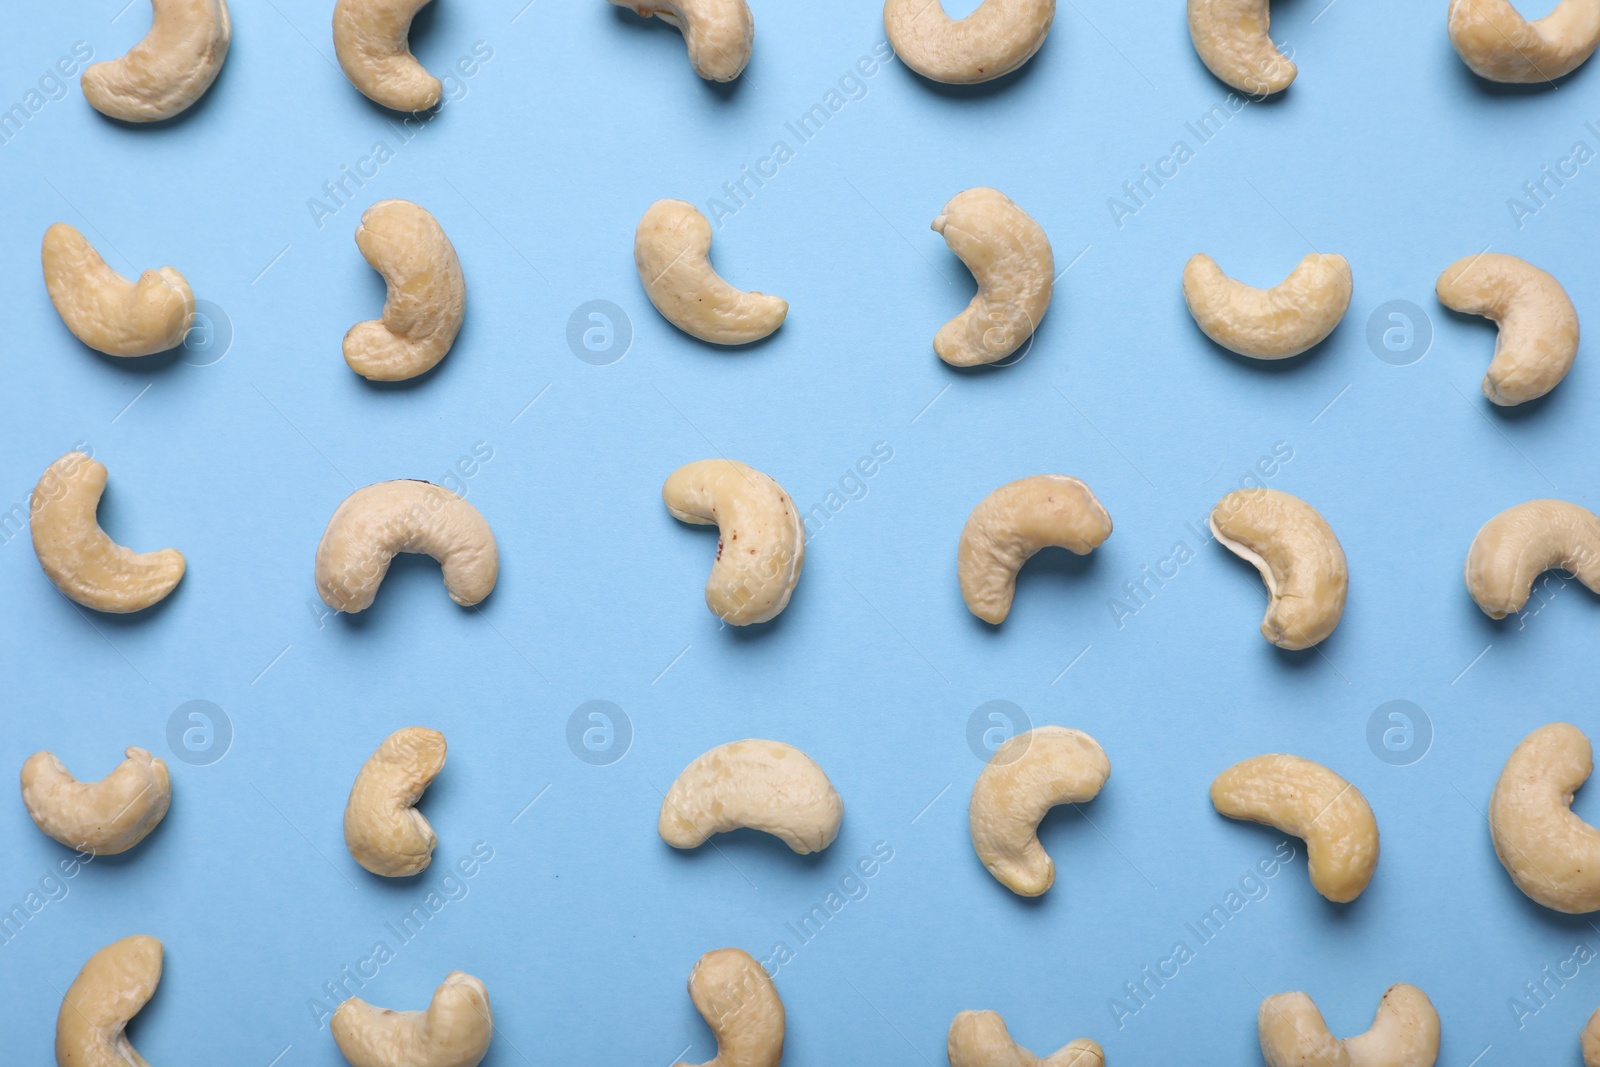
[[764, 785], [383, 829], [1234, 41], [1011, 524], [109, 991], [996, 39], [167, 71], [980, 1039], [1590, 1041], [761, 541], [1502, 46], [455, 1031], [372, 39], [106, 311], [76, 554], [1026, 777], [1552, 855], [1538, 337], [1299, 558], [105, 818], [427, 294], [1404, 1033], [1009, 255], [406, 515], [1512, 549], [672, 249], [736, 997], [1309, 801], [1274, 323], [719, 33]]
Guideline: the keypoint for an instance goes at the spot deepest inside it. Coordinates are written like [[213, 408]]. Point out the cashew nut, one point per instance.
[[1404, 1033], [1009, 255], [719, 33], [1011, 524], [736, 997], [1522, 542], [1552, 855], [116, 982], [106, 311], [1589, 1041], [167, 71], [377, 522], [1026, 777], [76, 554], [372, 39], [383, 829], [761, 541], [1502, 46], [996, 39], [672, 249], [980, 1039], [105, 817], [455, 1031], [1299, 558], [1274, 323], [764, 785], [427, 294], [1233, 40], [1538, 337], [1309, 801]]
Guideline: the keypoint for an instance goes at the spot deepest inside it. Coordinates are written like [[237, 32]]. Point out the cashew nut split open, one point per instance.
[[764, 785], [1538, 336], [672, 249], [1026, 777], [980, 1039], [1299, 558], [761, 541], [996, 39], [383, 829], [377, 522], [1512, 549], [85, 564], [1552, 855], [719, 33], [736, 997], [104, 818], [106, 311], [1274, 323], [372, 39], [1015, 521], [1502, 46], [1309, 801], [1009, 255], [1233, 40], [116, 982], [427, 294], [1404, 1033], [167, 71], [455, 1031]]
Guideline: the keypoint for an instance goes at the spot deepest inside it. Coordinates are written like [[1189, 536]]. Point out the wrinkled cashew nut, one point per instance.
[[736, 997], [383, 829], [170, 69], [1009, 255], [1026, 777], [1538, 336], [761, 542], [763, 785], [1015, 521], [427, 294], [1233, 39], [1404, 1033], [1311, 802], [672, 249], [85, 564], [372, 39], [980, 1039], [1511, 550], [1502, 46], [454, 1031], [106, 311], [1552, 855], [104, 818], [1276, 323], [114, 984], [719, 33], [376, 523], [996, 39], [1299, 558]]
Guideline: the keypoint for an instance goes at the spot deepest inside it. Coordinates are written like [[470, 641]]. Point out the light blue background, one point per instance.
[[585, 925]]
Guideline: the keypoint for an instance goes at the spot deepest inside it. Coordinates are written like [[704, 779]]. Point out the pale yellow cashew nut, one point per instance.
[[1233, 39], [980, 1039], [106, 311], [1404, 1033], [1538, 336], [104, 818], [996, 39], [383, 829], [1552, 855], [764, 785], [1589, 1041], [672, 250], [427, 294], [1009, 256], [454, 1031], [1502, 46], [719, 33], [736, 997], [1014, 522], [372, 39], [1511, 550], [1299, 558], [761, 542], [1276, 323], [170, 69], [114, 984]]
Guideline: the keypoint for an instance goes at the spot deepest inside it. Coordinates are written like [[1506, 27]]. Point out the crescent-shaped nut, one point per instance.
[[170, 69], [1512, 549], [1404, 1033], [1589, 1041], [104, 818], [455, 1031], [86, 565], [372, 39], [764, 785], [1009, 255], [996, 39], [383, 829], [1538, 336], [1026, 777], [427, 294], [761, 542], [719, 33], [736, 997], [116, 982], [980, 1039], [1502, 46], [672, 249], [1015, 521], [376, 523], [1233, 39], [1274, 323], [1299, 558], [1552, 855], [106, 311]]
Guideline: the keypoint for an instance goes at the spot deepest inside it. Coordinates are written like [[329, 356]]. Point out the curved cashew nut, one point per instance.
[[1026, 777], [996, 39], [1009, 255], [455, 1031], [1234, 40], [167, 71], [761, 541], [372, 39], [719, 33], [672, 249], [764, 785], [1299, 558], [106, 311], [1552, 855], [1589, 1041], [1512, 549], [85, 564], [1274, 323], [116, 982], [736, 997], [427, 294], [1502, 46], [383, 829], [377, 522], [1538, 337], [105, 818], [980, 1039], [1404, 1033], [1015, 521], [1309, 801]]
